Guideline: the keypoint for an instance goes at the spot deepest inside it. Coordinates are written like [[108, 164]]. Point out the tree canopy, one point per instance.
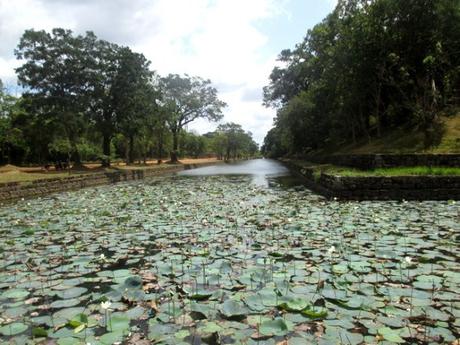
[[368, 67], [89, 99], [187, 99]]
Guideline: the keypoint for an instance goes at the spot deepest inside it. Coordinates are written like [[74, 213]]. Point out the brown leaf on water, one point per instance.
[[137, 339], [148, 276], [318, 329], [258, 336], [304, 327], [154, 306]]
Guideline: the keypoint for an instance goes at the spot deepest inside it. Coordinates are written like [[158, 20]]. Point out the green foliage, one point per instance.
[[12, 143], [83, 93], [193, 144], [186, 100], [400, 171], [230, 141], [364, 70]]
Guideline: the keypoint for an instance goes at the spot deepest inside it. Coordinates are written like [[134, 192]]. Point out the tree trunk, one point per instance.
[[175, 147], [160, 148], [131, 149], [106, 150], [76, 156]]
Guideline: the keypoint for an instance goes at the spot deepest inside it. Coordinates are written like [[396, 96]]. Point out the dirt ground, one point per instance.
[[12, 173]]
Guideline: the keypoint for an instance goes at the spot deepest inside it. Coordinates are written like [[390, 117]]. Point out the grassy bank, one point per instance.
[[399, 171], [406, 140], [396, 171]]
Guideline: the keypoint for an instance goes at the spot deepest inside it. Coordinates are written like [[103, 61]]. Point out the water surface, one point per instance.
[[211, 252], [262, 171]]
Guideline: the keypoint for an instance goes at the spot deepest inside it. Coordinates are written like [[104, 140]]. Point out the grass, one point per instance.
[[398, 171], [412, 141], [405, 140]]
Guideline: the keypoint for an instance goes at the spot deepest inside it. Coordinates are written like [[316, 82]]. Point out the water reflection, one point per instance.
[[262, 171]]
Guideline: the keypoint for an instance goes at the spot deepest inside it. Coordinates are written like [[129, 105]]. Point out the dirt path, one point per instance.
[[11, 173]]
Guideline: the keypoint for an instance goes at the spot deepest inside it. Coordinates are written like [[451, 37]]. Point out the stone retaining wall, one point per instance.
[[381, 187], [16, 190], [392, 187]]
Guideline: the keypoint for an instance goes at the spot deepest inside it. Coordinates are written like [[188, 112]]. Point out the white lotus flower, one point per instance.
[[408, 260], [331, 250], [102, 257], [106, 305]]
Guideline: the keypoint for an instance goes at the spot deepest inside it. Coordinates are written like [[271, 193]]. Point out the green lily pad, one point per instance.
[[111, 338], [118, 322], [294, 304], [275, 327], [390, 334], [314, 312], [209, 327], [71, 293], [231, 308], [13, 328], [18, 294]]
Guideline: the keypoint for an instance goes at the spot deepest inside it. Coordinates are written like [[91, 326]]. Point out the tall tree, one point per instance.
[[54, 75], [11, 137], [187, 99], [368, 67], [234, 141], [133, 95], [102, 60]]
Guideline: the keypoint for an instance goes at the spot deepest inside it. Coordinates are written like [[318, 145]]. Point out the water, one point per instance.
[[215, 229], [264, 172]]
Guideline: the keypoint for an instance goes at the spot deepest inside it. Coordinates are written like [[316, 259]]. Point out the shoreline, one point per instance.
[[415, 187], [13, 191]]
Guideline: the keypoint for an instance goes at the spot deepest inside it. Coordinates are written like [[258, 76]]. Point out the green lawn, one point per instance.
[[399, 171]]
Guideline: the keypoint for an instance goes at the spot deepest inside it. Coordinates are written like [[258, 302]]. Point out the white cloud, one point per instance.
[[215, 39]]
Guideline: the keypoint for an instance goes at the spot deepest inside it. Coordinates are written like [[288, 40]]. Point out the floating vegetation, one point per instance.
[[218, 260]]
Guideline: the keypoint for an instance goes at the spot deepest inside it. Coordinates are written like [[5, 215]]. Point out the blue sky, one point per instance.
[[285, 31], [232, 42]]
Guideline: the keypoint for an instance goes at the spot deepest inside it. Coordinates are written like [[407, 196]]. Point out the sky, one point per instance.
[[234, 43]]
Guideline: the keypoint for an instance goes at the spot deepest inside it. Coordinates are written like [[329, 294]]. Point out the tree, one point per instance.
[[133, 95], [54, 75], [187, 99], [103, 63], [193, 145], [368, 67], [232, 142], [11, 138], [159, 129]]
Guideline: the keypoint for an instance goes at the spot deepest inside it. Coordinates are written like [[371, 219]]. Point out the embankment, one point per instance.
[[378, 187], [17, 190]]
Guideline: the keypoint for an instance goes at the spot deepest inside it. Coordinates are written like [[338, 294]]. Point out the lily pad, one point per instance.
[[13, 328], [275, 327]]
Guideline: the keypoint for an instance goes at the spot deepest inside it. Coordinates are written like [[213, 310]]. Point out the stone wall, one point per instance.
[[381, 187], [15, 190], [392, 187], [373, 161]]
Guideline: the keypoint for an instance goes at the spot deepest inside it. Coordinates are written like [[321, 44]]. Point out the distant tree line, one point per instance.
[[88, 99], [368, 67]]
